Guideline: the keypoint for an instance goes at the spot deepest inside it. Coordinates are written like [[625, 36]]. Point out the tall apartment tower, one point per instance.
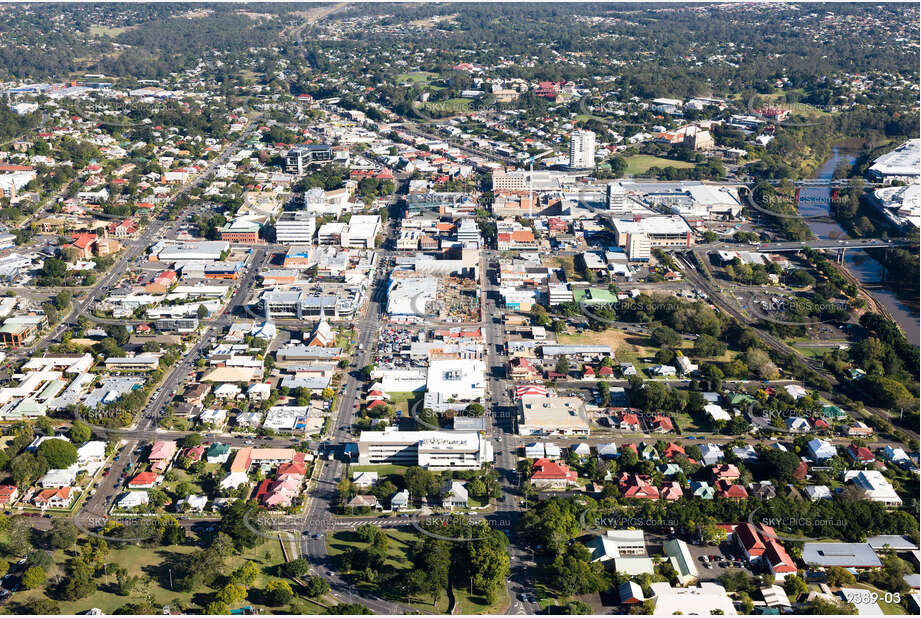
[[582, 150]]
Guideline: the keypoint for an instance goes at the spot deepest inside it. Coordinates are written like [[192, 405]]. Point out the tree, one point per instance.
[[63, 534], [795, 586], [278, 592], [249, 571], [202, 312], [316, 587], [475, 409], [33, 578], [838, 577], [666, 336], [420, 482], [54, 268], [79, 432], [43, 607], [236, 523], [708, 345], [348, 609], [231, 594], [26, 468], [782, 463], [820, 606], [124, 582], [19, 536], [217, 608], [191, 440], [576, 608], [562, 365], [58, 453], [79, 581]]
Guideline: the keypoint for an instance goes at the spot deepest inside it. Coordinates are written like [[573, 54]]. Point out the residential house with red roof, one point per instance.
[[662, 424], [144, 480], [122, 229], [161, 454], [8, 494], [546, 474], [671, 491], [520, 368], [759, 544], [728, 472], [860, 454], [726, 489], [83, 243], [60, 498], [629, 422], [673, 450], [637, 486]]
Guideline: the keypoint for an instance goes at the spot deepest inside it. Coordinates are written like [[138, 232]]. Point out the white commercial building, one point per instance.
[[295, 228], [903, 163], [434, 450], [582, 150], [461, 380], [361, 232], [702, 600], [564, 416], [662, 231], [411, 297]]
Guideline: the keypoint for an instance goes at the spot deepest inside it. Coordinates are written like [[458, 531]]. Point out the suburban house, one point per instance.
[[60, 498], [546, 474], [454, 495]]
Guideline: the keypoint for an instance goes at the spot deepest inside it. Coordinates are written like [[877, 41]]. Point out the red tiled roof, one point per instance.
[[144, 478], [748, 536], [546, 469]]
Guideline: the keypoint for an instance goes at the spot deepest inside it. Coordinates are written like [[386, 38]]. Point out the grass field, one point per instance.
[[692, 423], [404, 401], [381, 469], [638, 164], [151, 563], [110, 31], [416, 77]]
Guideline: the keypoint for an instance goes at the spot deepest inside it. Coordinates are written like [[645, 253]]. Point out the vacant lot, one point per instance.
[[109, 31], [639, 164]]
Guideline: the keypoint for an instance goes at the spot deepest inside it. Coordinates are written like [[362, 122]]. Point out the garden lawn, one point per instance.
[[149, 561]]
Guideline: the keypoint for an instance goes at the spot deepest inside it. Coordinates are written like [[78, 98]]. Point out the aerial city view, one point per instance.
[[459, 308]]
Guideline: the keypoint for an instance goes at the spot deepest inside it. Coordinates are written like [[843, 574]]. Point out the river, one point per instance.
[[813, 201]]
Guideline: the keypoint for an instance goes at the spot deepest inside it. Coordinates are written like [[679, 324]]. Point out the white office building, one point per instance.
[[433, 450], [582, 150], [295, 228]]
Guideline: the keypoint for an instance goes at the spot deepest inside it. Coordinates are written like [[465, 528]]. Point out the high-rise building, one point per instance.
[[582, 150], [616, 195]]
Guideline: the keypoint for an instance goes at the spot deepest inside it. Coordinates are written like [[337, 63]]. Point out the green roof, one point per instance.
[[218, 449], [832, 412], [741, 398], [602, 295]]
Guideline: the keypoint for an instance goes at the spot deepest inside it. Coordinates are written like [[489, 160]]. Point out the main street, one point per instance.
[[318, 509]]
